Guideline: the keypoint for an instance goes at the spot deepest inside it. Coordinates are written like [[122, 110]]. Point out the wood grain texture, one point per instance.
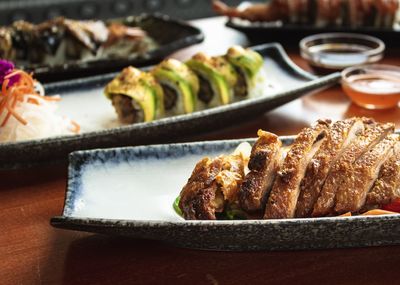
[[32, 252]]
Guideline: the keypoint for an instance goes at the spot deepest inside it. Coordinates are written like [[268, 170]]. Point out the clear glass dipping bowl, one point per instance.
[[375, 86], [331, 52]]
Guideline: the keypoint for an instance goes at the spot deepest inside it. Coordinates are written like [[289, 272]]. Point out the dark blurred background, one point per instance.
[[40, 10]]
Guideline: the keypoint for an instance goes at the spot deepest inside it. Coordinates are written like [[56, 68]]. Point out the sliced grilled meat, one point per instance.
[[372, 135], [359, 179], [339, 137], [285, 191], [387, 187], [264, 162], [213, 183]]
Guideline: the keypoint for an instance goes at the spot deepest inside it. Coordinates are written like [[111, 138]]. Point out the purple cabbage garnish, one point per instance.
[[6, 67]]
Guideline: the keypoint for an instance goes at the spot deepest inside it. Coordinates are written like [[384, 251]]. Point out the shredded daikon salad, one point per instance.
[[25, 112]]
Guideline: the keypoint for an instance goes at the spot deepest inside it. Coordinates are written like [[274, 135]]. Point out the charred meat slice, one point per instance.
[[372, 135], [386, 188], [352, 192], [213, 184], [285, 191], [264, 162], [340, 135]]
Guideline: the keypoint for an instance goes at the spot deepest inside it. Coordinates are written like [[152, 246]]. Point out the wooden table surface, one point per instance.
[[32, 252]]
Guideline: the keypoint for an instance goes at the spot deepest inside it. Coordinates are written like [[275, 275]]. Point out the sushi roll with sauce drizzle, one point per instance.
[[180, 86], [217, 79], [247, 63], [136, 96]]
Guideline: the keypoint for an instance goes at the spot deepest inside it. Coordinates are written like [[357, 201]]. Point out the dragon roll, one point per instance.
[[247, 64], [180, 86], [217, 79], [136, 96]]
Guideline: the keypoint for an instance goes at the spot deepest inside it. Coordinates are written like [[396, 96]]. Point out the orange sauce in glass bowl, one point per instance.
[[372, 87]]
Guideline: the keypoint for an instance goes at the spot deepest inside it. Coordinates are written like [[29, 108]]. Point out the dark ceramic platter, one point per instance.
[[83, 101], [170, 35], [129, 191], [257, 32]]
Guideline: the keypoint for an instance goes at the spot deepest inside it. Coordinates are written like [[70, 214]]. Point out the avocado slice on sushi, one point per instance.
[[247, 64], [136, 96], [180, 86], [246, 61], [217, 79]]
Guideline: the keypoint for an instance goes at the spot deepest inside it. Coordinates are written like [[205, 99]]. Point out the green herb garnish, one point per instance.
[[176, 206]]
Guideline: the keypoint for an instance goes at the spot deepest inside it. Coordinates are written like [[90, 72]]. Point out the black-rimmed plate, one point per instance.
[[84, 102], [259, 32], [169, 34], [130, 191]]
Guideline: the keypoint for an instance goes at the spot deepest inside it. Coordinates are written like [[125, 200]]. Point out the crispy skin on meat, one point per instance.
[[340, 135], [211, 184], [285, 191], [264, 162], [372, 135], [359, 179], [386, 188]]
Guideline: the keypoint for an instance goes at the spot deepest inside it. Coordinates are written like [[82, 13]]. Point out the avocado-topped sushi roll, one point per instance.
[[136, 96], [247, 64], [217, 79], [180, 86]]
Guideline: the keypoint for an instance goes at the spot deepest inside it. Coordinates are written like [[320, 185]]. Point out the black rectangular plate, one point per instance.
[[170, 34], [294, 83], [259, 32], [109, 192]]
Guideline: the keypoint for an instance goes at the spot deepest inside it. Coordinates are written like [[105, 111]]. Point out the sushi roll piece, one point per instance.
[[136, 96], [217, 79], [323, 13], [247, 64], [386, 13], [180, 86], [298, 11]]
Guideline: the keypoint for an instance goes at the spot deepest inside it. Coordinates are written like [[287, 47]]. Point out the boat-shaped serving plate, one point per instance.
[[169, 35], [130, 191], [84, 102]]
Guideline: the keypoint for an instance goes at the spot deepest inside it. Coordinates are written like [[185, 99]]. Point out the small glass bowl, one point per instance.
[[375, 86], [330, 52]]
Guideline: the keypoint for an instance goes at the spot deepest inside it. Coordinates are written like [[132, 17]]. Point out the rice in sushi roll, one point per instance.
[[180, 86], [247, 64], [136, 96], [217, 79]]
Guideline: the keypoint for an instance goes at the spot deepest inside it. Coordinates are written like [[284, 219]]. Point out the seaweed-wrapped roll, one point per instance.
[[180, 86], [217, 79], [136, 96], [247, 64]]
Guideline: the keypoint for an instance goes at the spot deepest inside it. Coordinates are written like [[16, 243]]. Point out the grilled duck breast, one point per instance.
[[360, 177], [264, 162], [387, 187], [339, 137], [285, 191], [372, 135], [213, 183]]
